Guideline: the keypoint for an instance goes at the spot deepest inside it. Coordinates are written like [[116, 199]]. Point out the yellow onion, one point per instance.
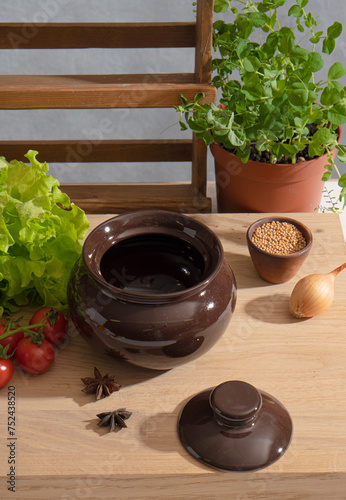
[[313, 294]]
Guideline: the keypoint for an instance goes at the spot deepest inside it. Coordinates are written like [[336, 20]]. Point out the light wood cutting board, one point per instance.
[[60, 452]]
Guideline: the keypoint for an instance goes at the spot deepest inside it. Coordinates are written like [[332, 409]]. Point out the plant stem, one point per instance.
[[333, 162]]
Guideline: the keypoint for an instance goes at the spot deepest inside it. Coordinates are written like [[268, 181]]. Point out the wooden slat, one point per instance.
[[85, 150], [198, 169], [203, 69], [81, 91], [20, 81], [204, 42], [119, 198], [96, 35], [7, 81]]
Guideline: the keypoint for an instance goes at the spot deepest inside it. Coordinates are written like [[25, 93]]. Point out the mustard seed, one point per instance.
[[279, 238]]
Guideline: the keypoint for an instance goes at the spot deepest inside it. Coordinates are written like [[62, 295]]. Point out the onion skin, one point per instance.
[[313, 294]]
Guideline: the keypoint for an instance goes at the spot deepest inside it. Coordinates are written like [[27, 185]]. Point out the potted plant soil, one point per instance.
[[276, 132]]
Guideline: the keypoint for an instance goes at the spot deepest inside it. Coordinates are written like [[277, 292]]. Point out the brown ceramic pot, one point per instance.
[[263, 187], [153, 288]]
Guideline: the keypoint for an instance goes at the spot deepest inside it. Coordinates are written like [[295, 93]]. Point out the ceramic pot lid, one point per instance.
[[235, 427]]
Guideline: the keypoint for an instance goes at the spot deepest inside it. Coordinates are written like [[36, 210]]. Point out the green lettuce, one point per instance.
[[41, 236]]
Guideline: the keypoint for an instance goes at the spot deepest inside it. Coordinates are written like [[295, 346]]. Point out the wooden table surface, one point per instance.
[[60, 452]]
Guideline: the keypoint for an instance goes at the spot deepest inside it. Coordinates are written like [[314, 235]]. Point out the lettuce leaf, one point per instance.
[[41, 236]]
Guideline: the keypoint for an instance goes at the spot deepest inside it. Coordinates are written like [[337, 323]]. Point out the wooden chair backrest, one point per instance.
[[116, 91]]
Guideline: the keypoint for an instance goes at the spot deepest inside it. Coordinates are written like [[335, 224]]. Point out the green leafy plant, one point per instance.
[[332, 202], [41, 234], [272, 102]]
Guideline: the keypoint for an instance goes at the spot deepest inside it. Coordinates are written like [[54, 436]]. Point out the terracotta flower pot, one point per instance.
[[263, 187]]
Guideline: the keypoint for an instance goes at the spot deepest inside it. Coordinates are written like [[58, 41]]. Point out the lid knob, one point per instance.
[[235, 403]]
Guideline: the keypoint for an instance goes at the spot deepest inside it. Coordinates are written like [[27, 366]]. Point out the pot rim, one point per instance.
[[92, 254]]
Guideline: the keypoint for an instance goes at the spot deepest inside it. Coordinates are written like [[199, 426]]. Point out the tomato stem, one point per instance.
[[26, 329]]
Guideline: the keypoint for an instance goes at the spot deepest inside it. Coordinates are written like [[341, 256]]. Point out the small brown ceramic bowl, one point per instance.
[[278, 268]]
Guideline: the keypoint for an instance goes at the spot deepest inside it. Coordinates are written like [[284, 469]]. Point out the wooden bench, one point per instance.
[[24, 92]]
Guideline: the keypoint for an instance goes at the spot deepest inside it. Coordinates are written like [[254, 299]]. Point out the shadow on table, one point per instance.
[[245, 274], [76, 360], [271, 309], [125, 374], [156, 432]]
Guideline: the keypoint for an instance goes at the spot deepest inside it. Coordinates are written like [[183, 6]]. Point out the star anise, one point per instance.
[[114, 419], [102, 386]]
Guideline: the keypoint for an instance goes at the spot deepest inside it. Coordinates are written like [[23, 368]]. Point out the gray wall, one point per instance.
[[117, 124]]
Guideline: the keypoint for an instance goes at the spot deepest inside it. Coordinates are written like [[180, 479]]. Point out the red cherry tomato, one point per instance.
[[56, 326], [6, 371], [12, 340], [34, 358]]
